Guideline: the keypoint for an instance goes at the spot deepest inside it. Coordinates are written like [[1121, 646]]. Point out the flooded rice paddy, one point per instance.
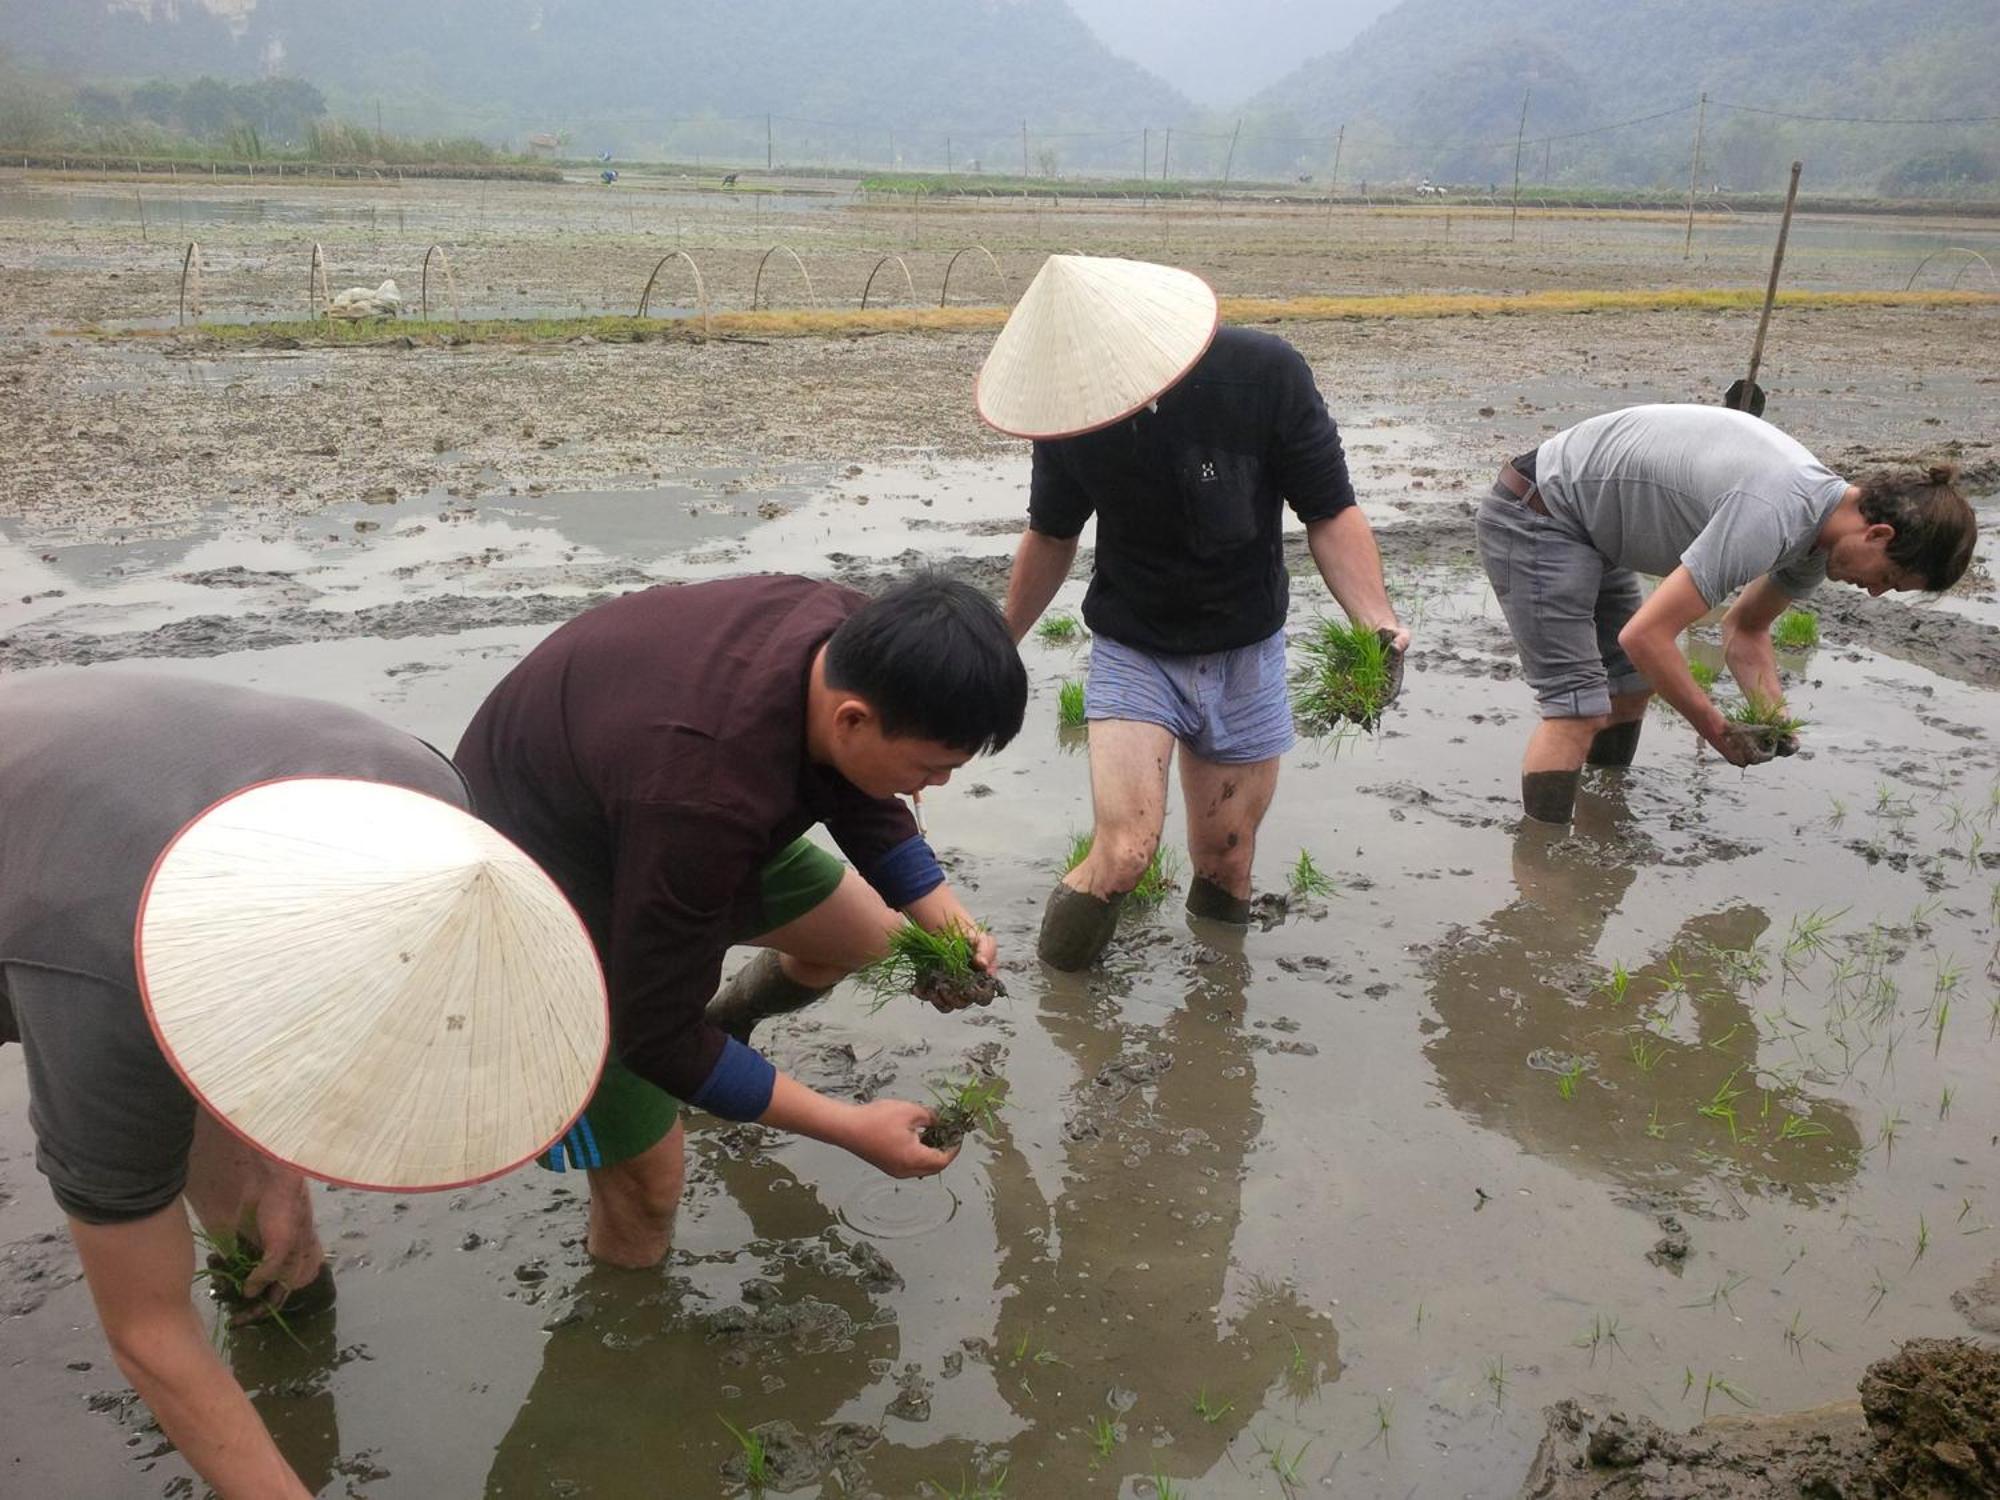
[[1687, 1109]]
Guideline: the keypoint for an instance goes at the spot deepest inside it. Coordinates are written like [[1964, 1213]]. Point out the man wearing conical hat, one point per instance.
[[1186, 441], [244, 940]]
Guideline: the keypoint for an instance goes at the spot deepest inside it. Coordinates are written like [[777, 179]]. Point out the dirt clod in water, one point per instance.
[[1927, 1425], [949, 992]]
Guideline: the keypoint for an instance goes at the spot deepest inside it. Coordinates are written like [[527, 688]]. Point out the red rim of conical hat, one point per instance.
[[369, 984], [1091, 341]]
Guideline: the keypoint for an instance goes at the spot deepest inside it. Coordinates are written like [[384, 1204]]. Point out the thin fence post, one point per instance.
[[1694, 169], [1520, 132], [1024, 149], [1166, 154], [1230, 161], [1333, 178]]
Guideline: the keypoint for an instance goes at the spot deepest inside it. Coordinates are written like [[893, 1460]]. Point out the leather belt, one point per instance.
[[1522, 488]]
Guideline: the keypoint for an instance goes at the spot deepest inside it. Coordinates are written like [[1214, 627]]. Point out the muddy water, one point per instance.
[[1349, 1196]]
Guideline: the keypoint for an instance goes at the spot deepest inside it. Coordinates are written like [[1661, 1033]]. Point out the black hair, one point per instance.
[[1935, 528], [934, 659]]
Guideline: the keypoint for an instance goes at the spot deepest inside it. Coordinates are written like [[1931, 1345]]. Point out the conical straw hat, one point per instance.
[[369, 984], [1091, 341]]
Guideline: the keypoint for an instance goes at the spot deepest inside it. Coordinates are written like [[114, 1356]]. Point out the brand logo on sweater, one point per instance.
[[1207, 472]]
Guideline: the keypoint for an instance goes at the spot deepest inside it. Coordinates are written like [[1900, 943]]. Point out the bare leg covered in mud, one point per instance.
[[1128, 798], [1225, 805], [633, 1203], [1558, 749]]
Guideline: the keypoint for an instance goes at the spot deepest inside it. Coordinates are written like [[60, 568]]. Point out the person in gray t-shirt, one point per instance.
[[99, 770], [1710, 501]]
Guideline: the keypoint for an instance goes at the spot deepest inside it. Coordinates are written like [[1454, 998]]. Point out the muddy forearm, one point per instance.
[[1041, 563]]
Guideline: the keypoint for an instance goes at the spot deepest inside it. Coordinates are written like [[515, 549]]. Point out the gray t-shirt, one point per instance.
[[98, 771], [1723, 493]]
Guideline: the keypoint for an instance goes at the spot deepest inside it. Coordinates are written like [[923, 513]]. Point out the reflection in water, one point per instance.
[[1115, 1289], [635, 1368], [1653, 1079], [289, 1369]]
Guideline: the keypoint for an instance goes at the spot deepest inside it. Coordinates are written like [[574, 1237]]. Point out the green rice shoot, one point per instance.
[[227, 1269], [1308, 879], [1069, 704], [1796, 630], [1345, 678], [1162, 876], [1703, 674], [1062, 629], [1769, 718], [977, 1101], [915, 955]]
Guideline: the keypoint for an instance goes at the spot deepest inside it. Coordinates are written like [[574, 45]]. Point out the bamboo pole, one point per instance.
[[1694, 168], [1519, 134], [1770, 291]]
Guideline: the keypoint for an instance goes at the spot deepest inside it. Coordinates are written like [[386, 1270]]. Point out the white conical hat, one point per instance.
[[1091, 341], [369, 984]]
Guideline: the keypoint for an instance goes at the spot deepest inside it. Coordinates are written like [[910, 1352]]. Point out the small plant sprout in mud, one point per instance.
[[1879, 1288], [1104, 1436], [1346, 679], [1796, 630], [1770, 720], [1923, 1240], [1308, 879], [756, 1462], [1703, 675], [1069, 704], [1165, 1489], [932, 966], [230, 1262], [1722, 1105], [962, 1107], [969, 1489], [1944, 1101], [1811, 935], [1496, 1380], [1654, 1128], [1716, 1385], [1061, 629], [1284, 1465], [1886, 1136], [1618, 984], [1567, 1080], [1210, 1410], [1799, 1128], [1601, 1334], [1719, 1297], [1646, 1052], [1385, 1417], [1837, 813], [1161, 877]]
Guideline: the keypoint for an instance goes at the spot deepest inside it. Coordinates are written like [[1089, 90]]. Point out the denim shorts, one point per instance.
[[1230, 707], [1565, 605]]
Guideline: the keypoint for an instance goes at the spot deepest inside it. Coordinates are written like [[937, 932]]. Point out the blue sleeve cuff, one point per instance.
[[740, 1086], [906, 873]]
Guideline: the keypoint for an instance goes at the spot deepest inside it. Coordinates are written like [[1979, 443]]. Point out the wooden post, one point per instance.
[[1024, 150], [1333, 179], [1166, 153], [1694, 168], [947, 156], [1230, 160], [1520, 132], [767, 144], [1145, 152], [1770, 291]]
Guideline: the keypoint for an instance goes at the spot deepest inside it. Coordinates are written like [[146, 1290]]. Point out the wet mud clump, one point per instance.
[[963, 1108], [937, 967], [1927, 1425]]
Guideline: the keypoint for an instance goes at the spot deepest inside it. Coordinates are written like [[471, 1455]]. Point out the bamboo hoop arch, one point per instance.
[[998, 274], [907, 281], [700, 288], [319, 296], [757, 286], [1967, 266], [450, 285], [191, 267]]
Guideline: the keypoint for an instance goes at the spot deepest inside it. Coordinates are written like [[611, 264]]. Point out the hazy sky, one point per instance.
[[1219, 52]]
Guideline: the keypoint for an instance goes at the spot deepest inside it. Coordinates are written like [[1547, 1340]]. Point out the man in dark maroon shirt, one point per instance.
[[662, 756]]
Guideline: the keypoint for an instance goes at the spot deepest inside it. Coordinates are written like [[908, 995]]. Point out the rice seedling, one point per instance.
[[1736, 1393], [962, 1107], [1420, 1318], [1654, 1128], [1796, 1336], [1722, 1105], [756, 1462], [1881, 1289], [1347, 676], [228, 1265], [1164, 1488], [1799, 1128], [1385, 1416], [1308, 879], [1769, 721], [1886, 1136], [1923, 1240], [971, 1489], [1617, 985], [1721, 1294], [1740, 966], [1496, 1380], [1810, 937], [1069, 703], [1601, 1334], [1796, 630], [1161, 877], [1703, 674], [1286, 1465], [1838, 815], [1104, 1436], [1567, 1080], [1945, 1100], [1062, 629], [1208, 1409], [932, 965]]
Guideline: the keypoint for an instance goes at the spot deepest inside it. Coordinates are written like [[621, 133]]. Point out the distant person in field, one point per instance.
[[1708, 500], [1186, 441], [246, 940], [663, 757]]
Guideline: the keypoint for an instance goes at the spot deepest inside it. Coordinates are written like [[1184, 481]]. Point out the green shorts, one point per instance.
[[627, 1115]]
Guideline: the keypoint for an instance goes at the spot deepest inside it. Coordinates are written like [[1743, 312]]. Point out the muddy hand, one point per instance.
[[1742, 745], [885, 1134], [1396, 640]]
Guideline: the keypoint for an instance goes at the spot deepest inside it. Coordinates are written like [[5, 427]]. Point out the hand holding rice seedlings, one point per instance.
[[1069, 704], [1796, 630], [1308, 879], [1062, 629], [1349, 676], [230, 1262], [1766, 719], [935, 966], [963, 1106]]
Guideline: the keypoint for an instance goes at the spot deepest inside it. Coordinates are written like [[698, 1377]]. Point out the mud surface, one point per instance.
[[1693, 1098], [1927, 1424]]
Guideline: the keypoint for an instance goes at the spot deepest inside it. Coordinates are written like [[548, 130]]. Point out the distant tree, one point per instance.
[[1943, 173], [96, 106]]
